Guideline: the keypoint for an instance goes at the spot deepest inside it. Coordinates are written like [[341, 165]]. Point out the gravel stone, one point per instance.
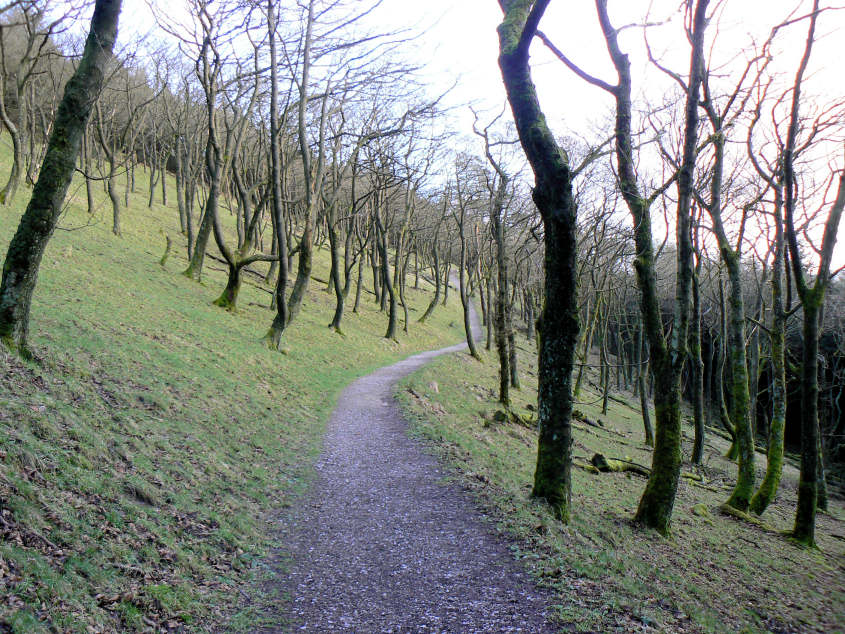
[[383, 543]]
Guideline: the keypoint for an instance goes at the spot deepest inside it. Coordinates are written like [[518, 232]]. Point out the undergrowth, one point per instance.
[[714, 574], [145, 448]]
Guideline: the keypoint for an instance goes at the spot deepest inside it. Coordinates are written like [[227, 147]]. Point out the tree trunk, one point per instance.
[[20, 270], [280, 320], [8, 192], [180, 190], [744, 488], [658, 499], [774, 457], [229, 297], [465, 301], [805, 515], [115, 201], [334, 273], [697, 368], [559, 325], [194, 270], [358, 284], [381, 236], [649, 432]]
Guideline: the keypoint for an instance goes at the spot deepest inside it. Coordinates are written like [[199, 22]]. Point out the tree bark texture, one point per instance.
[[553, 195], [20, 270]]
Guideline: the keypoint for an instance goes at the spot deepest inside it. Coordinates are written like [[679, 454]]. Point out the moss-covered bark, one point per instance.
[[280, 319], [499, 317], [20, 269], [657, 502], [812, 298], [697, 370], [774, 457], [641, 388], [744, 489], [805, 513], [229, 297], [559, 322]]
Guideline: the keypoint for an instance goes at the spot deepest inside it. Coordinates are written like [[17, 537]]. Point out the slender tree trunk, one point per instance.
[[489, 323], [274, 334], [465, 303], [20, 270], [163, 178], [194, 270], [89, 183], [658, 499], [435, 252], [115, 201], [587, 342], [774, 457], [180, 190], [359, 284], [512, 357], [381, 236], [649, 432], [8, 192], [402, 281], [375, 268], [697, 367], [334, 273]]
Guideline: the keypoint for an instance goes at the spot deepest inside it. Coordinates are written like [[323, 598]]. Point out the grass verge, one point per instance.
[[143, 450], [715, 574]]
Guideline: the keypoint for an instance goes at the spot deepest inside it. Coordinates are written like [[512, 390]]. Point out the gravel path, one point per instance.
[[381, 543]]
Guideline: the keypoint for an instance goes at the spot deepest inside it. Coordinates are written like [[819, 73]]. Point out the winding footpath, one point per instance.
[[382, 543]]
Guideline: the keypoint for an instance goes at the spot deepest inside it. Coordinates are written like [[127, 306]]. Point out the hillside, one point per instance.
[[144, 450], [715, 574]]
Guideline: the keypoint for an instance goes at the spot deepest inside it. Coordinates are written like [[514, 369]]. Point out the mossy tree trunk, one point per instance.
[[501, 294], [20, 269], [777, 334], [720, 122], [744, 489], [435, 254], [280, 320], [641, 388], [697, 368], [460, 216], [312, 171], [381, 238], [667, 359], [812, 299], [553, 195]]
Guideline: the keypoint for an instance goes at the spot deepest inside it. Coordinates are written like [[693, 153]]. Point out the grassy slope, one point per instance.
[[141, 455], [716, 574]]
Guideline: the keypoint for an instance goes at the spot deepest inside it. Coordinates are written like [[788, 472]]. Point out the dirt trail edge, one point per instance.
[[383, 543]]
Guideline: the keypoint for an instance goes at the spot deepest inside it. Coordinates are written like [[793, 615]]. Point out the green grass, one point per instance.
[[144, 451], [715, 574]]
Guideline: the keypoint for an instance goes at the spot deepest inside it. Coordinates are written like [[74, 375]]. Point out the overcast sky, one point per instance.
[[458, 46]]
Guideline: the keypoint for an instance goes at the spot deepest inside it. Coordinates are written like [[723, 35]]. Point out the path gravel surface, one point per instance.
[[383, 543]]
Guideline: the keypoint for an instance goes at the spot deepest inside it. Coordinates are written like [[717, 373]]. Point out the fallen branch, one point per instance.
[[617, 465], [730, 511]]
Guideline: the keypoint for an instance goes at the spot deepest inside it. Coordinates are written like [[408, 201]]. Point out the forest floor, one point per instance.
[[146, 449], [715, 573]]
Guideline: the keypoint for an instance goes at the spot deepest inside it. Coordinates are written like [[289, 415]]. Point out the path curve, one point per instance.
[[381, 543]]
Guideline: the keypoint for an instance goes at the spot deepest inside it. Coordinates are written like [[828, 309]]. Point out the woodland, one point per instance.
[[211, 230]]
